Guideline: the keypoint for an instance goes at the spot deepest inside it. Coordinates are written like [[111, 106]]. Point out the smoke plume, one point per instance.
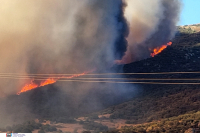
[[65, 36], [60, 37], [152, 24]]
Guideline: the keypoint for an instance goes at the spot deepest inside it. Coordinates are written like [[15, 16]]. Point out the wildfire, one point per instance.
[[27, 87], [48, 81], [160, 49]]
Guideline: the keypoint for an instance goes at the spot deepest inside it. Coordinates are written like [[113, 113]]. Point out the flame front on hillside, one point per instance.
[[48, 81], [160, 49]]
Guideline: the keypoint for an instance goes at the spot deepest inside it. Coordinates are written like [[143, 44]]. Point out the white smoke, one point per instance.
[[152, 24], [65, 36], [61, 36]]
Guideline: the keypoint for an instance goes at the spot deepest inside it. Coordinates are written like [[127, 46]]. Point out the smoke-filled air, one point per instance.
[[75, 37], [152, 24]]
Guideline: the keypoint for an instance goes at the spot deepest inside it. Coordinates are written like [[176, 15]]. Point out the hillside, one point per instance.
[[158, 107], [183, 55], [155, 108], [187, 123], [158, 102], [189, 28]]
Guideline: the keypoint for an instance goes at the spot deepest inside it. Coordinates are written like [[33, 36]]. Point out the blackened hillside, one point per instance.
[[158, 101], [183, 55]]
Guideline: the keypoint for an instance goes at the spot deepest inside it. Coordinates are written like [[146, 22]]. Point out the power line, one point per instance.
[[105, 80], [63, 77], [139, 79], [123, 82], [153, 73]]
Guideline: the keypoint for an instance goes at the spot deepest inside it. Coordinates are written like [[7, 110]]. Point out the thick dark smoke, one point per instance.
[[65, 36], [123, 31], [152, 24], [61, 36], [97, 39]]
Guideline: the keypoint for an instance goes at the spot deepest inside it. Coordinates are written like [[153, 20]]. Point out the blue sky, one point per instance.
[[190, 12]]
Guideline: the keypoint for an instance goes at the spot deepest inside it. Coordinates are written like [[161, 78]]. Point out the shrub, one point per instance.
[[48, 128], [94, 117], [96, 127], [66, 120]]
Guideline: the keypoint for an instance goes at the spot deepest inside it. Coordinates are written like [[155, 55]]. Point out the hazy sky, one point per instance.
[[190, 12]]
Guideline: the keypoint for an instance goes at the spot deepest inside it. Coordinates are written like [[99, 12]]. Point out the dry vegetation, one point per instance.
[[189, 28], [159, 108], [188, 123]]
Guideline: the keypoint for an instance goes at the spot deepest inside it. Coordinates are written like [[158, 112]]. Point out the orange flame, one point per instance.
[[48, 81], [160, 49], [28, 87]]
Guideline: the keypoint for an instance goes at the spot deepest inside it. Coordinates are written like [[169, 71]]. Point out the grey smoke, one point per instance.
[[65, 36], [152, 24], [61, 36]]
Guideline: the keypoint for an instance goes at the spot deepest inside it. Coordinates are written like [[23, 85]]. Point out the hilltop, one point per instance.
[[158, 102], [189, 28]]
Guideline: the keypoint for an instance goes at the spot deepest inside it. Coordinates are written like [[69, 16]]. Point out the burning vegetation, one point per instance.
[[56, 35], [33, 85], [160, 49]]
